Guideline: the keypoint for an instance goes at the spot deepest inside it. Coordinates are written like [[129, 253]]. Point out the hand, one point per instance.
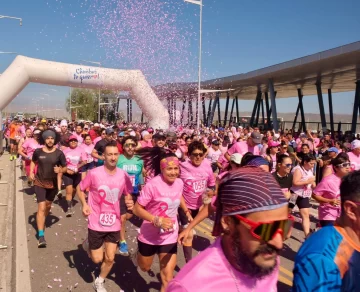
[[57, 169], [166, 223], [335, 202], [311, 180], [102, 157], [189, 217], [129, 202], [184, 235], [210, 193], [32, 176], [86, 210], [69, 171]]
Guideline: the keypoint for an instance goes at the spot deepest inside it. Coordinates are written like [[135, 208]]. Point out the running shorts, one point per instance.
[[71, 179], [148, 250], [13, 141], [123, 208], [97, 238], [87, 167], [182, 216], [301, 202], [43, 195]]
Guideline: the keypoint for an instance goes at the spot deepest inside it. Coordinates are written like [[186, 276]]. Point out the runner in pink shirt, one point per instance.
[[87, 147], [199, 185], [243, 147], [354, 155], [75, 159], [107, 184], [245, 256], [327, 192], [158, 205]]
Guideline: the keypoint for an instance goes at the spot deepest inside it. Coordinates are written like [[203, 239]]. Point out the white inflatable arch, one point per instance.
[[24, 70]]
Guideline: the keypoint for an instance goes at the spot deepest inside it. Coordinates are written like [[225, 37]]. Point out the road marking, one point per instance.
[[206, 226], [286, 272], [204, 231], [284, 280]]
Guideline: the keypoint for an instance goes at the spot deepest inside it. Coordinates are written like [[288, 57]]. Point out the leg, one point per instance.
[[122, 231], [167, 266], [40, 215], [304, 212], [47, 207], [145, 255], [110, 250], [59, 181]]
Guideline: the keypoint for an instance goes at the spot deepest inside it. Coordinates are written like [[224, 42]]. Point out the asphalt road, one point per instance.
[[64, 266]]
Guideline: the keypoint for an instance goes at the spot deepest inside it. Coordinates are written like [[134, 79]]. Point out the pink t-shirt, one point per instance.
[[329, 188], [79, 138], [30, 145], [146, 143], [74, 157], [105, 191], [196, 181], [354, 161], [213, 156], [161, 199], [210, 271], [242, 147], [88, 149], [223, 161]]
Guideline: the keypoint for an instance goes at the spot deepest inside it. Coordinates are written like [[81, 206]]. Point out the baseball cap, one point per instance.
[[333, 149], [37, 131], [144, 133], [171, 135], [236, 158], [355, 144], [215, 142], [121, 134], [63, 123], [159, 135], [109, 131], [273, 144], [96, 125], [303, 135], [73, 137], [256, 137]]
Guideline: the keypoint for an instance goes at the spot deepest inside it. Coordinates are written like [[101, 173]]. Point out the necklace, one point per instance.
[[235, 281]]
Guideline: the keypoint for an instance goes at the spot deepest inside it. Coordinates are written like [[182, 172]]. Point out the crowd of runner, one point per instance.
[[251, 179]]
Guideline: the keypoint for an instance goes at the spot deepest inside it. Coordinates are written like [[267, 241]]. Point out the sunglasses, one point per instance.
[[344, 164], [197, 154], [130, 145], [267, 230]]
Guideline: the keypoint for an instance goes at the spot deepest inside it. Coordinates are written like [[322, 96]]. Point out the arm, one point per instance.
[[327, 171], [32, 172], [85, 207], [227, 156], [21, 151], [162, 222], [95, 154]]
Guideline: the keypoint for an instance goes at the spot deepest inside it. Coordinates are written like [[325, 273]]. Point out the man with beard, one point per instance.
[[133, 165], [50, 161], [251, 223]]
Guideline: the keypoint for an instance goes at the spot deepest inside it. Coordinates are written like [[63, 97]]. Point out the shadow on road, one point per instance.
[[200, 243], [49, 221]]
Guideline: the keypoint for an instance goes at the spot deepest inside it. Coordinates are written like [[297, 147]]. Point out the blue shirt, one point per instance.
[[327, 261]]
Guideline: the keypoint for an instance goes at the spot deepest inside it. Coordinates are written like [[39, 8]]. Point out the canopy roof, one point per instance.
[[336, 69]]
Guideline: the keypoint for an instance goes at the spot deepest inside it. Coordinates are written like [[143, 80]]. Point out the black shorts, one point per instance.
[[301, 202], [87, 167], [214, 166], [148, 250], [97, 238], [71, 179], [182, 216], [13, 141], [43, 195], [123, 208]]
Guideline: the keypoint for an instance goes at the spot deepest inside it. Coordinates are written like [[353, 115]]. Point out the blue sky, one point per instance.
[[238, 36]]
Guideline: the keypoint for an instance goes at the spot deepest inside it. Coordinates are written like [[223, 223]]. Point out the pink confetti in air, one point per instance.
[[32, 271], [49, 286]]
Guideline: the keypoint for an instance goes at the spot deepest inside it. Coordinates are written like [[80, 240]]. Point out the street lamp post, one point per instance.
[[12, 17], [97, 63], [198, 2]]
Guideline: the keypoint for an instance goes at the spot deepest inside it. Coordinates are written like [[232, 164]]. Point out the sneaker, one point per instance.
[[59, 195], [41, 242], [11, 158], [123, 249], [98, 286], [34, 197], [70, 212]]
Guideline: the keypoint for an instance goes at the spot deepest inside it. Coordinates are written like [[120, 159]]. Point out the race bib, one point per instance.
[[199, 186], [107, 219], [307, 192], [132, 179]]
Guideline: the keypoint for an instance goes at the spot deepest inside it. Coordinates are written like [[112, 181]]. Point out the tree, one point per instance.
[[84, 104]]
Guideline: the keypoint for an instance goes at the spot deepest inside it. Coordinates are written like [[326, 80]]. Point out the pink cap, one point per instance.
[[273, 144], [73, 137]]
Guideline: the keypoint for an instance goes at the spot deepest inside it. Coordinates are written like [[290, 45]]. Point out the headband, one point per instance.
[[169, 161], [48, 133]]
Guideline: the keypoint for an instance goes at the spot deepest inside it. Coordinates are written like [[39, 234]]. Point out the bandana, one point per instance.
[[257, 161], [169, 161], [47, 134], [247, 190]]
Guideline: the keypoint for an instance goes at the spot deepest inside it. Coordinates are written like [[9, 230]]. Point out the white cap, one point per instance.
[[355, 144], [236, 158], [132, 133], [63, 123], [96, 125]]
